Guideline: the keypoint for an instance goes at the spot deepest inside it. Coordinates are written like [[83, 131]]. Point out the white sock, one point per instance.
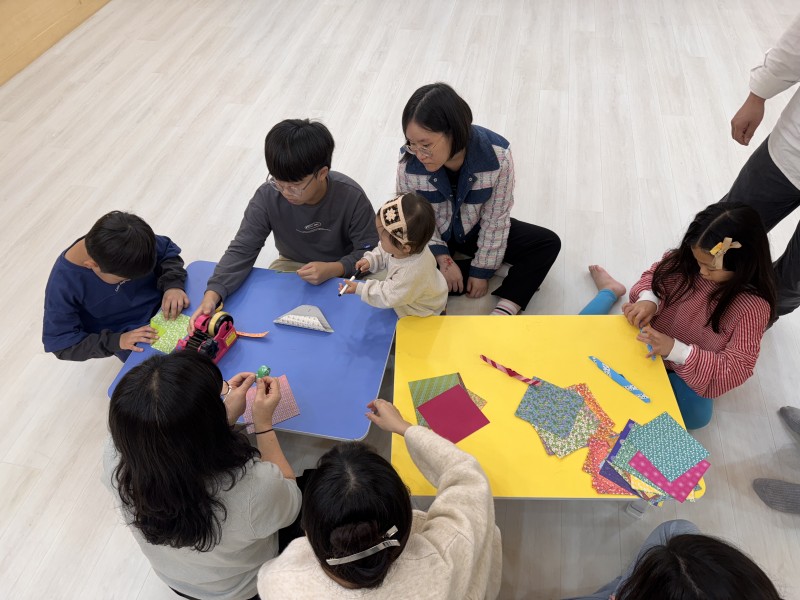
[[506, 307]]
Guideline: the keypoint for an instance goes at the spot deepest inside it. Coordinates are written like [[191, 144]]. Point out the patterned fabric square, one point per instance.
[[453, 414], [169, 332], [585, 426], [607, 471], [550, 408], [598, 451], [606, 424], [678, 489], [287, 407], [423, 390], [667, 445]]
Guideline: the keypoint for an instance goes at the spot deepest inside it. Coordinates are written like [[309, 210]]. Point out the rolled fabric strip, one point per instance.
[[509, 372]]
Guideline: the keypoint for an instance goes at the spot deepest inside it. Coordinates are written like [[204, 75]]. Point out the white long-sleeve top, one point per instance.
[[413, 285], [780, 71], [454, 551]]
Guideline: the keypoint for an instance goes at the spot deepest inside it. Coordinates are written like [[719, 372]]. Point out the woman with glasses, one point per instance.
[[203, 504], [467, 173]]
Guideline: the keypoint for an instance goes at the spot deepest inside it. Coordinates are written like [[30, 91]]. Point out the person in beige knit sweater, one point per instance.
[[364, 541], [413, 284]]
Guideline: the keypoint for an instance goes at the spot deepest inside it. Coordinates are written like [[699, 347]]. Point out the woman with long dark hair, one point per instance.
[[704, 306], [204, 505]]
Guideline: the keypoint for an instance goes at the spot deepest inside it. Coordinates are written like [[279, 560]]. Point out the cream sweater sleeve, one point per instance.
[[460, 522]]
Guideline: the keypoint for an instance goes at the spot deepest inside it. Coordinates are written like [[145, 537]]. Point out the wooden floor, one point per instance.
[[618, 112]]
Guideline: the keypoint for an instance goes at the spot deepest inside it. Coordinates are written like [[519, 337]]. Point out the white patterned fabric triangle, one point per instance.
[[307, 317]]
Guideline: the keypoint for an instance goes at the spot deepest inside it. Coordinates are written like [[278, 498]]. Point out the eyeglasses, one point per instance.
[[289, 190], [424, 150]]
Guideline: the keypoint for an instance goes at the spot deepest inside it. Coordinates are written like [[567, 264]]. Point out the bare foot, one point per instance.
[[604, 281]]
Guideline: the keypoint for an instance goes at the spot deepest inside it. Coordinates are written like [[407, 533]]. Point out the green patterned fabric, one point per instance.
[[668, 446], [585, 426], [169, 332], [423, 390], [550, 408]]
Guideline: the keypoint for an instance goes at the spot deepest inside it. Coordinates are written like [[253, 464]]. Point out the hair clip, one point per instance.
[[393, 220], [718, 251], [387, 543]]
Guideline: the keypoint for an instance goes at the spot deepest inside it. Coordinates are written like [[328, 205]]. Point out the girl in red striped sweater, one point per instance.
[[704, 306]]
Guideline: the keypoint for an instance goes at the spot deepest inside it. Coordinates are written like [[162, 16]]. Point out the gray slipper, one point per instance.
[[791, 416]]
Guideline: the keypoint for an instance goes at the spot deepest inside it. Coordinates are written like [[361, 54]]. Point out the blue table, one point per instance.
[[333, 375]]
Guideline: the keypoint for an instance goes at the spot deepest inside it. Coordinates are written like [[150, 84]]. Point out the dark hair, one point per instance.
[[438, 108], [696, 567], [352, 499], [122, 244], [751, 264], [297, 148], [420, 222], [176, 450]]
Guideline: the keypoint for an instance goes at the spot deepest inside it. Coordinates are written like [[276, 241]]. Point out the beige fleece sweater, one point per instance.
[[453, 552], [413, 285]]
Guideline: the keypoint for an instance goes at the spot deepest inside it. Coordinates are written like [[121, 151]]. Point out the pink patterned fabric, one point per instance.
[[287, 407], [678, 489]]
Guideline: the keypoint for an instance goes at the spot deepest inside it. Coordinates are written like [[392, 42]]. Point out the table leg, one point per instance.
[[636, 508]]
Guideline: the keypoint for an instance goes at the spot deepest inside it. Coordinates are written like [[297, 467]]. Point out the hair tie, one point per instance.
[[718, 251], [393, 220], [387, 543]]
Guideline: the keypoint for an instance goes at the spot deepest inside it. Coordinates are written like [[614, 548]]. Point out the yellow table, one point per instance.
[[555, 348]]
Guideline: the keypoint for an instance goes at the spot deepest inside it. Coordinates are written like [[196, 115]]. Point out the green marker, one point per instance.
[[263, 371]]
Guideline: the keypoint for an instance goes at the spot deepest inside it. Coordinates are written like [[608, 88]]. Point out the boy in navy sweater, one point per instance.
[[104, 289]]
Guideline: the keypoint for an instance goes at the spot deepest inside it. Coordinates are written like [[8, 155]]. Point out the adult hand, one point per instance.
[[319, 272], [452, 274], [348, 286], [747, 119], [207, 305], [268, 396], [145, 333], [362, 265], [477, 288], [173, 302], [236, 395], [386, 416], [640, 313], [661, 343]]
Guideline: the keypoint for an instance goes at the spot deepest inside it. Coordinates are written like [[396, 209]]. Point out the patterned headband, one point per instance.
[[393, 220], [718, 251], [387, 543]]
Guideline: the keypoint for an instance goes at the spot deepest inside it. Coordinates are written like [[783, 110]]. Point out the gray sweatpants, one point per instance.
[[762, 185], [658, 537]]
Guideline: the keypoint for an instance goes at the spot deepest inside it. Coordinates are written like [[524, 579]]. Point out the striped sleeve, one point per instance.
[[645, 281], [712, 374]]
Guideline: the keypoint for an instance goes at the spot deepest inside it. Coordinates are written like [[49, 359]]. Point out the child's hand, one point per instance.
[[661, 343], [639, 314], [452, 274], [386, 416], [476, 288], [319, 272], [174, 301], [362, 265], [145, 333], [348, 286]]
